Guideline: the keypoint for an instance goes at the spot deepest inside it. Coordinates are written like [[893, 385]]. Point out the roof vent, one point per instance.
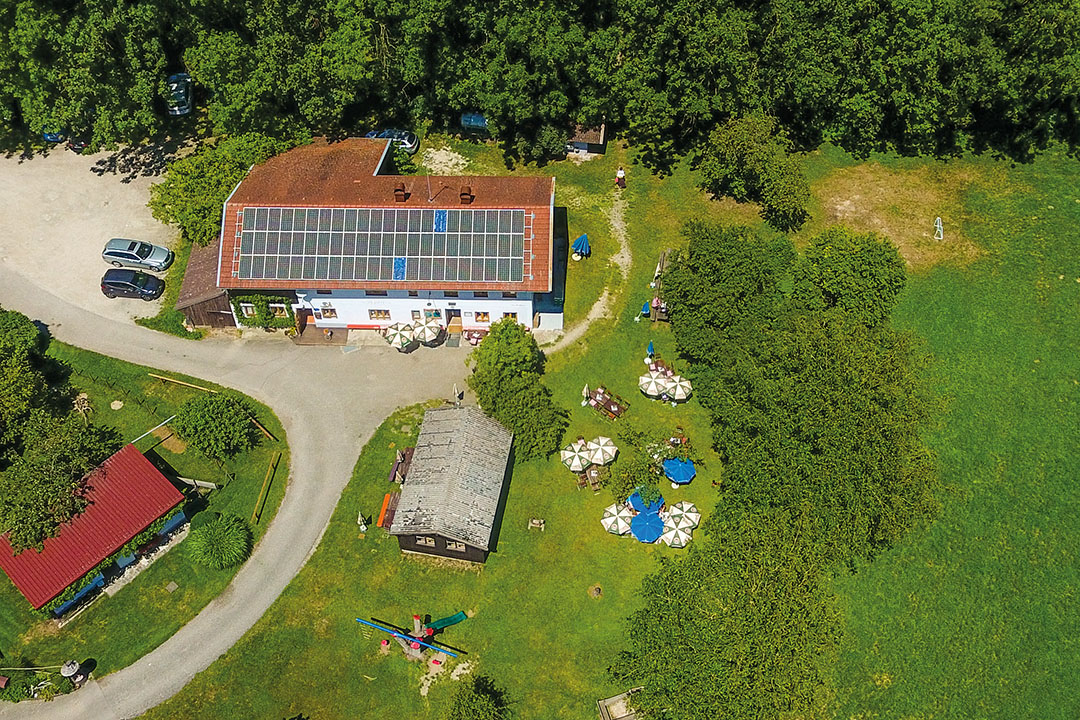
[[399, 192], [466, 195]]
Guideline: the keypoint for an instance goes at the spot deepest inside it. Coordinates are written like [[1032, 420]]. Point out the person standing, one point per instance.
[[620, 178]]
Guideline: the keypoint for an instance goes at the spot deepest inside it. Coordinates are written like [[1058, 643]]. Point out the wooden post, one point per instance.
[[266, 481]]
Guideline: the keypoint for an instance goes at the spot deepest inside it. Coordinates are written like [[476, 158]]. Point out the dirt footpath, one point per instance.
[[56, 214]]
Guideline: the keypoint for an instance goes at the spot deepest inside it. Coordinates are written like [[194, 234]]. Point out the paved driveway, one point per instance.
[[56, 216], [329, 402]]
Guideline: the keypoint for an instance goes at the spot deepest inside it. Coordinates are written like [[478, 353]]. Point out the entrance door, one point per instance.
[[453, 321]]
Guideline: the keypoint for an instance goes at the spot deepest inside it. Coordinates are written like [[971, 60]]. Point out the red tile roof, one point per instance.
[[342, 174], [125, 495]]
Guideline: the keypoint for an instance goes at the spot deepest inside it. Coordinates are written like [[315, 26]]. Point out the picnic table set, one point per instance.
[[662, 382], [652, 522], [604, 402], [587, 460]]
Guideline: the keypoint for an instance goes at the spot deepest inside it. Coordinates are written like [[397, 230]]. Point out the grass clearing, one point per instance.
[[117, 630]]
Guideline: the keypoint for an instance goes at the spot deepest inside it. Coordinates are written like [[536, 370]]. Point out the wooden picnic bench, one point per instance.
[[608, 404], [593, 477]]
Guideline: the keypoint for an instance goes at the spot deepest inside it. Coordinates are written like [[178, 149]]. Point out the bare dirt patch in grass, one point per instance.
[[902, 205], [444, 161], [170, 440], [43, 629]]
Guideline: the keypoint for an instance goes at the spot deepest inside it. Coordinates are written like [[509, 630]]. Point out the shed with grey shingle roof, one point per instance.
[[455, 482]]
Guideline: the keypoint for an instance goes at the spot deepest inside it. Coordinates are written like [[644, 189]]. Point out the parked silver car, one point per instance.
[[137, 254]]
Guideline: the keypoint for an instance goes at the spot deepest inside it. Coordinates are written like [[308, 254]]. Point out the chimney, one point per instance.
[[466, 195], [399, 192]]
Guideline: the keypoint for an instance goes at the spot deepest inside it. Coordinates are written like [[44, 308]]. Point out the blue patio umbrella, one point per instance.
[[638, 503], [647, 527], [679, 471], [645, 309], [581, 245], [649, 349]]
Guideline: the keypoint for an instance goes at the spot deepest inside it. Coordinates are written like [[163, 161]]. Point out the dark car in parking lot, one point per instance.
[[131, 283], [179, 94], [137, 254]]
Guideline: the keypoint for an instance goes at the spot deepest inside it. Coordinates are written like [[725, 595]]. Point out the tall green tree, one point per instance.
[[43, 488], [478, 698], [22, 383], [507, 365], [193, 193]]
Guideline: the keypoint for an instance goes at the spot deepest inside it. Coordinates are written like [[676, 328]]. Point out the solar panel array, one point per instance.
[[368, 244]]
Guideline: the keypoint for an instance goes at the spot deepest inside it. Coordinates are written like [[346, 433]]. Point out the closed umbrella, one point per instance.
[[674, 535], [602, 450], [679, 471], [616, 519], [647, 527], [679, 387], [576, 456], [653, 383], [684, 513], [428, 331], [399, 335]]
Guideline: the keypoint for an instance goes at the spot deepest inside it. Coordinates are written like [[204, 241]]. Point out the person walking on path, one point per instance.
[[620, 178]]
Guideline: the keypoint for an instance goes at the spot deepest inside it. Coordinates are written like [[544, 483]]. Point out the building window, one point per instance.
[[509, 294], [378, 314], [414, 293], [482, 317], [375, 293], [450, 293], [324, 292], [247, 309], [482, 294], [279, 310], [425, 541], [329, 313], [416, 315], [510, 315], [433, 314], [455, 546]]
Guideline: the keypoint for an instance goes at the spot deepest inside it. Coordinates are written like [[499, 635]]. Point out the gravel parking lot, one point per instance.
[[57, 215]]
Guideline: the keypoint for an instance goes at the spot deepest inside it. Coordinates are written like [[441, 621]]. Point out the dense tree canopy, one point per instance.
[[22, 383], [933, 78], [506, 379]]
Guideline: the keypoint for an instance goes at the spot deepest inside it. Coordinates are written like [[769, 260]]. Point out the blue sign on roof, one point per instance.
[[399, 268], [440, 221]]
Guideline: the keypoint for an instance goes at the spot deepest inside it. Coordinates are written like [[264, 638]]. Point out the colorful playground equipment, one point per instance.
[[422, 636]]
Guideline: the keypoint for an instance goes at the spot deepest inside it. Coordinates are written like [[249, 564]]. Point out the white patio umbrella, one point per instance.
[[399, 335], [428, 330], [653, 383], [601, 450], [684, 513], [576, 456], [675, 536], [616, 519], [678, 387]]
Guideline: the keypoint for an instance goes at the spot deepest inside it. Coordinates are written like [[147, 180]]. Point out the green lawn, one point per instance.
[[117, 630], [977, 616], [972, 617]]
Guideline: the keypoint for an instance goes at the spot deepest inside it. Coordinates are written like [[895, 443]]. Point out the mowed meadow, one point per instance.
[[976, 616]]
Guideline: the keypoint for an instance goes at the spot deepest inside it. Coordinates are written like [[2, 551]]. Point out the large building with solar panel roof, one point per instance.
[[352, 248]]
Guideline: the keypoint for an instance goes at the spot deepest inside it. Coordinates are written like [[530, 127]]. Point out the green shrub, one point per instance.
[[217, 424], [221, 543], [264, 317]]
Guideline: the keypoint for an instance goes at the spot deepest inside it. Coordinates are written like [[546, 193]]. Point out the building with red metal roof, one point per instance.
[[350, 247], [124, 495]]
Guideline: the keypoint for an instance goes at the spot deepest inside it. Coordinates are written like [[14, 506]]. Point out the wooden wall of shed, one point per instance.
[[408, 543]]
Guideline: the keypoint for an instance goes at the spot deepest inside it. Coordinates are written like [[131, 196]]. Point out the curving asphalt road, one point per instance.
[[329, 402]]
